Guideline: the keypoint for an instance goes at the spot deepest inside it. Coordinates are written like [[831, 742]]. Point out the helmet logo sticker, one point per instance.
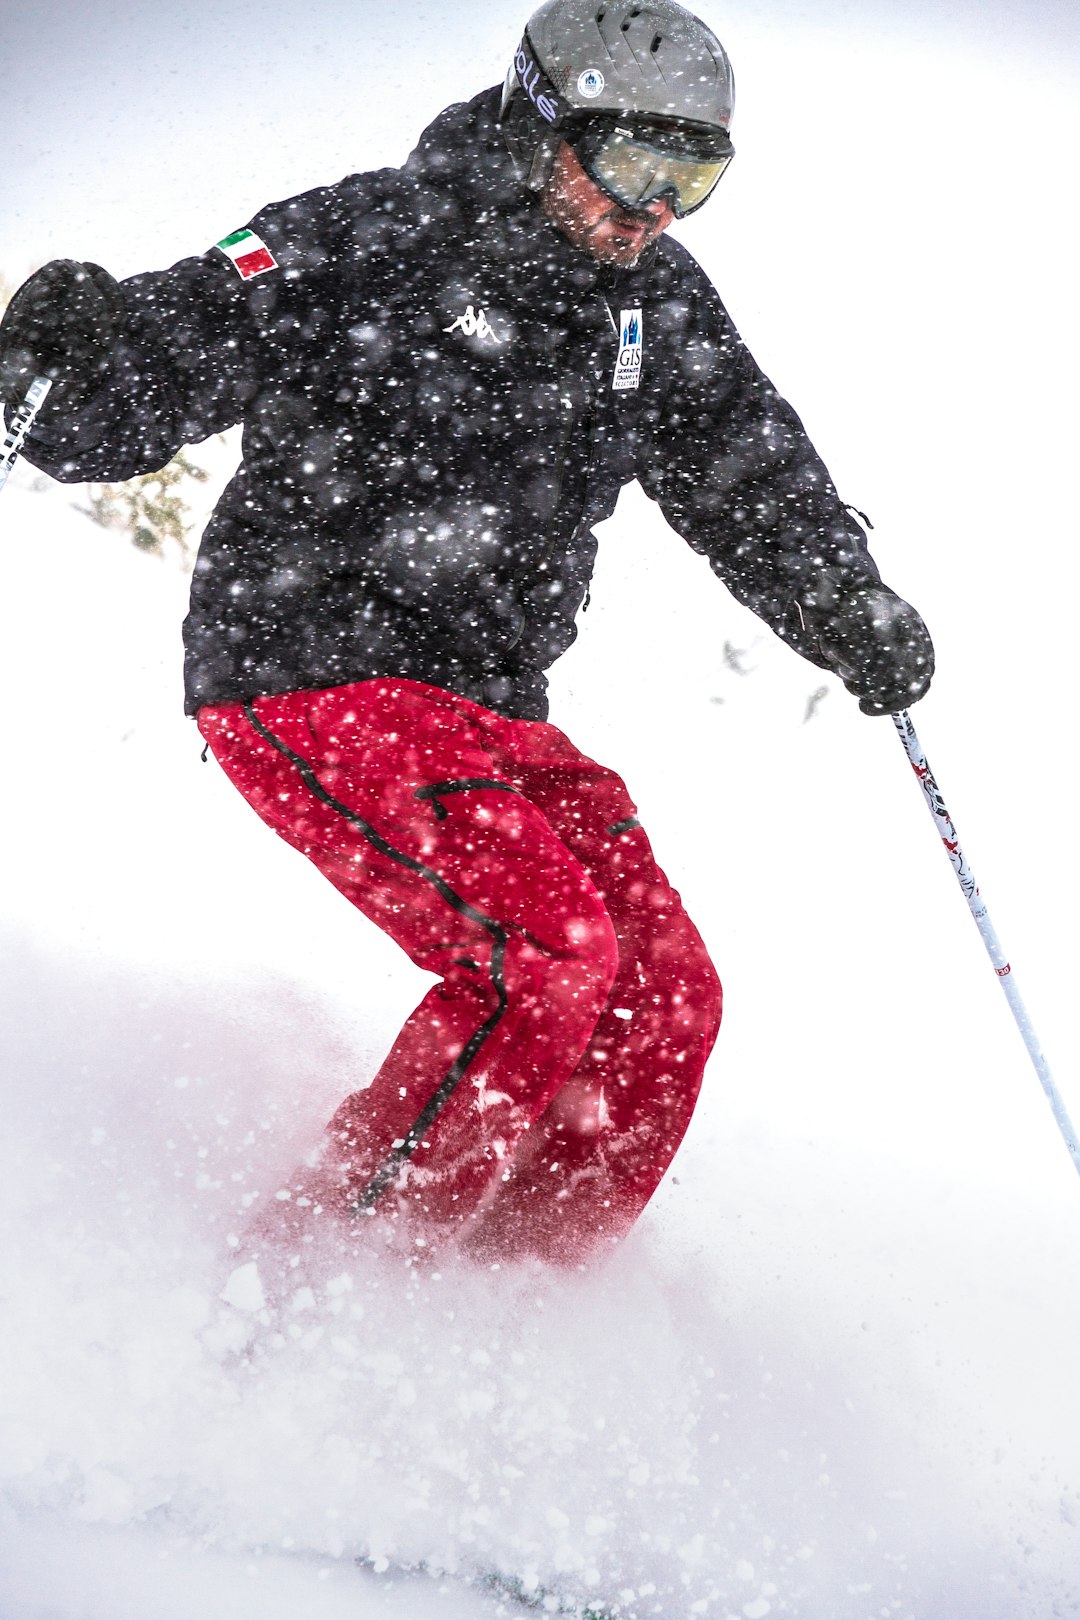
[[628, 365], [590, 83]]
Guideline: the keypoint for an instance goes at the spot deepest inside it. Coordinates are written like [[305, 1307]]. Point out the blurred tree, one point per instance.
[[152, 509]]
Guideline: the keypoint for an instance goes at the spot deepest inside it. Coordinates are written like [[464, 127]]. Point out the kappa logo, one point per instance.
[[474, 325]]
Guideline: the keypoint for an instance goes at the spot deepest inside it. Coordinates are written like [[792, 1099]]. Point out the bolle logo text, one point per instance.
[[529, 74], [474, 325]]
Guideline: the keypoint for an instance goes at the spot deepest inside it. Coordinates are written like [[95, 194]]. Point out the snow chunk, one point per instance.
[[107, 1499], [244, 1288]]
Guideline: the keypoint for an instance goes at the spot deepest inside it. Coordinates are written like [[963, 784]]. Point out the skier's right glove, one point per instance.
[[61, 324]]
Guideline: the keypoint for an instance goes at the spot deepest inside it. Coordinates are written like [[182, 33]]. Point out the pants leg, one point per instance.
[[586, 1170], [393, 790]]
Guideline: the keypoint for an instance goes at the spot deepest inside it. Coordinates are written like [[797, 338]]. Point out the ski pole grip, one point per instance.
[[21, 423]]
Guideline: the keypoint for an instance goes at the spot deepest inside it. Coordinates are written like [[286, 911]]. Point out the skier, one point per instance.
[[445, 374]]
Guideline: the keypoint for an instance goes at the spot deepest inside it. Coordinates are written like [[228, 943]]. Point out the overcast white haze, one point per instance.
[[833, 1373]]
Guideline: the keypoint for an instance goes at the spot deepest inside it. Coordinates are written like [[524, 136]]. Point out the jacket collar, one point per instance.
[[462, 154]]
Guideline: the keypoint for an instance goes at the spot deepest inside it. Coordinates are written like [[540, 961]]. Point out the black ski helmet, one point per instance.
[[583, 59]]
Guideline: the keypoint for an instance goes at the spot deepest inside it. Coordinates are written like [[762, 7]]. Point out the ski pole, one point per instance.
[[21, 423], [966, 878]]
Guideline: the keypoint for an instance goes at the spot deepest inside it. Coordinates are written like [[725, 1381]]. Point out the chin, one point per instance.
[[619, 261], [623, 255]]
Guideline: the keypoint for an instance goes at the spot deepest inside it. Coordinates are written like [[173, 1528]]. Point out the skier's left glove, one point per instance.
[[875, 641], [61, 324]]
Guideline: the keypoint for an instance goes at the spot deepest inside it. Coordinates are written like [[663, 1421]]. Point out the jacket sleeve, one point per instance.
[[196, 345], [736, 475]]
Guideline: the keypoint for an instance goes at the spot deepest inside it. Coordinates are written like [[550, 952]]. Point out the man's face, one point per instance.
[[593, 221]]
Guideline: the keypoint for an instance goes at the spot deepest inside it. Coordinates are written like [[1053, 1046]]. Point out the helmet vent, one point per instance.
[[659, 60]]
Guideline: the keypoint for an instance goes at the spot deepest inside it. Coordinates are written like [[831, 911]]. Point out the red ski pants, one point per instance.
[[534, 1099]]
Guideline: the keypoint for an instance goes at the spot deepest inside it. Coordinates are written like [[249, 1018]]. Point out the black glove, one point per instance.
[[61, 324], [872, 638]]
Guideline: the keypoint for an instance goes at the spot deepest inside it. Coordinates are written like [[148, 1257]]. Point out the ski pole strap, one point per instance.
[[1002, 967], [21, 423]]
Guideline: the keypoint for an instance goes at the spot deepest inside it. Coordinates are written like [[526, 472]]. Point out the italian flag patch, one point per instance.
[[248, 252]]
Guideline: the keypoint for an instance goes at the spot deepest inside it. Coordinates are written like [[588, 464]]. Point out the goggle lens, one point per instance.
[[635, 173]]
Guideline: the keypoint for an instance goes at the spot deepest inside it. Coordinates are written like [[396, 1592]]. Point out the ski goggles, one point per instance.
[[636, 168]]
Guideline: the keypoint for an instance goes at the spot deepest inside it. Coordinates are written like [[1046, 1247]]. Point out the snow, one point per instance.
[[833, 1373]]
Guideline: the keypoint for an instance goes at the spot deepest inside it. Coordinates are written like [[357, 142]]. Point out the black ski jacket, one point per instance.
[[425, 379]]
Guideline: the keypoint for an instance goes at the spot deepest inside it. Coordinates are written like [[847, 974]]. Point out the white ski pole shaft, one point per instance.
[[21, 423], [966, 878]]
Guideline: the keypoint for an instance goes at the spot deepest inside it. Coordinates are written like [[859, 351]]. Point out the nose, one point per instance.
[[661, 210]]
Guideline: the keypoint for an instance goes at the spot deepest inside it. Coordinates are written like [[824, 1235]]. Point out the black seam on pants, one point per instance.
[[411, 1141], [461, 784]]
